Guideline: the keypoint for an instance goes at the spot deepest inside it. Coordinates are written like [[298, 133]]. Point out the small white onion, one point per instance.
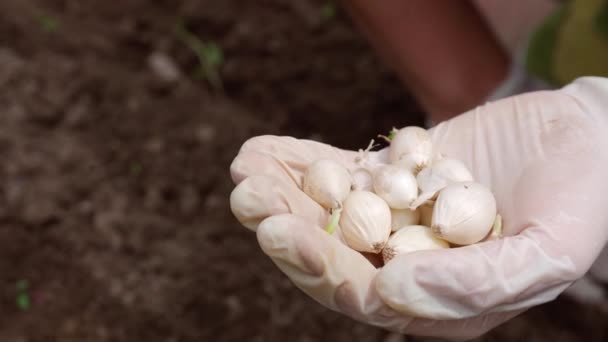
[[437, 176], [410, 239], [365, 221], [464, 213], [411, 147], [327, 183], [404, 217], [395, 185]]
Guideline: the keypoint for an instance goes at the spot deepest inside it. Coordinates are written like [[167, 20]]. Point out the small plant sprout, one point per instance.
[[23, 297], [411, 239], [209, 54], [404, 217], [135, 168], [328, 183], [437, 176], [365, 222], [412, 148], [390, 135], [328, 11], [48, 23], [464, 213], [496, 228], [363, 158]]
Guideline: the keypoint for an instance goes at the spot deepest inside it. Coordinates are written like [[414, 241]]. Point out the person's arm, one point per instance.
[[443, 51]]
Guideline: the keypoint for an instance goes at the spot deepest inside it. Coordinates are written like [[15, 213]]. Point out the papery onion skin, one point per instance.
[[411, 147], [464, 213], [365, 221], [396, 185], [411, 239], [327, 182]]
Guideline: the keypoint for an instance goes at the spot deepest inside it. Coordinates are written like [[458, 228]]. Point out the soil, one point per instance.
[[114, 183]]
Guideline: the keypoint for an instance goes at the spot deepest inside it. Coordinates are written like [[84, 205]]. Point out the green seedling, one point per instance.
[[209, 54], [48, 23], [496, 228], [23, 297], [333, 220], [135, 168], [328, 11], [390, 135], [601, 20]]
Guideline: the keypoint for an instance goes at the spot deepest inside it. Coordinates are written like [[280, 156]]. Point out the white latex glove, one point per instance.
[[543, 154]]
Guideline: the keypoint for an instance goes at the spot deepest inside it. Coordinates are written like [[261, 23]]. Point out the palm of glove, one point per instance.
[[544, 155]]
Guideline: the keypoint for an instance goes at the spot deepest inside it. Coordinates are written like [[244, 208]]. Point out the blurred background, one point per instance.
[[118, 123]]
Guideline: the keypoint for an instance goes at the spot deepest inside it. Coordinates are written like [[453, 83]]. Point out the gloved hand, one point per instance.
[[543, 154]]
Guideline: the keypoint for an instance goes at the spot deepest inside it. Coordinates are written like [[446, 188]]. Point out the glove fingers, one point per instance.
[[289, 156], [328, 271], [259, 197], [343, 280], [256, 163], [503, 275]]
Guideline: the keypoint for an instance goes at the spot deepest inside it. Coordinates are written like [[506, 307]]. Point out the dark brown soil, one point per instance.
[[114, 179]]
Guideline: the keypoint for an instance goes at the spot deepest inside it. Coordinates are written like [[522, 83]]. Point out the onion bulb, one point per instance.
[[327, 183], [411, 147], [410, 239], [365, 221], [464, 213], [437, 176], [396, 185]]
